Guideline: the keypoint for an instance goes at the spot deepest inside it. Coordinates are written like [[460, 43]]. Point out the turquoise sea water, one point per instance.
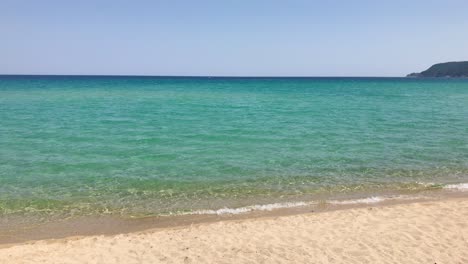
[[151, 145]]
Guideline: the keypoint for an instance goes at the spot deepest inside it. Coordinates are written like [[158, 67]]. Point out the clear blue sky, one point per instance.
[[268, 38]]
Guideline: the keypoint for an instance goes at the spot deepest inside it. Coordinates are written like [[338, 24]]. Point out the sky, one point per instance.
[[231, 38]]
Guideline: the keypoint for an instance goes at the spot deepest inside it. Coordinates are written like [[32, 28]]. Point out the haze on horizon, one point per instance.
[[216, 38]]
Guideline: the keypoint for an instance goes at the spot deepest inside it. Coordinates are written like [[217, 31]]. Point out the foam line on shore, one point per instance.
[[458, 187], [270, 207], [246, 209], [366, 200]]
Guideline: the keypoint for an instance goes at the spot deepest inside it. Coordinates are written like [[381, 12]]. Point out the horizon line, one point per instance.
[[200, 76]]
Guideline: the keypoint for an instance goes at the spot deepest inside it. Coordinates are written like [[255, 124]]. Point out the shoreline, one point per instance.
[[114, 225], [432, 231]]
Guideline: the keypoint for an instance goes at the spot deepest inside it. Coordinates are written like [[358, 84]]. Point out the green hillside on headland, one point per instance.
[[447, 69]]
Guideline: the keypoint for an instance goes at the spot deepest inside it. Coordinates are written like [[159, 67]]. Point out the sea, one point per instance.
[[138, 146]]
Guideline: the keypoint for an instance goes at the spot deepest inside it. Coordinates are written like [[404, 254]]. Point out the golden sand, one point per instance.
[[421, 232]]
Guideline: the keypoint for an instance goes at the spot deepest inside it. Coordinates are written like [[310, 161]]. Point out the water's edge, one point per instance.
[[112, 225]]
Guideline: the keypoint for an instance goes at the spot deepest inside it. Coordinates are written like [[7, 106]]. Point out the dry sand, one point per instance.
[[422, 232]]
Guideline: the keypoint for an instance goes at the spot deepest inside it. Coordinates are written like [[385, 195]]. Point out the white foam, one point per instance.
[[270, 207], [241, 210], [458, 187], [369, 200]]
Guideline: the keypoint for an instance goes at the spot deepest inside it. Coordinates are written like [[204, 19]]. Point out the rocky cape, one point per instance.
[[456, 69]]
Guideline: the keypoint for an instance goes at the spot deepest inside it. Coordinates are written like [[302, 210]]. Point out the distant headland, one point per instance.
[[456, 69]]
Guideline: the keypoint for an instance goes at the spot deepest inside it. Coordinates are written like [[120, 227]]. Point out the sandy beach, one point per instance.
[[420, 232], [233, 132]]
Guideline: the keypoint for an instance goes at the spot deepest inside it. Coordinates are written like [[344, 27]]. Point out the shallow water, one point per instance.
[[153, 145]]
